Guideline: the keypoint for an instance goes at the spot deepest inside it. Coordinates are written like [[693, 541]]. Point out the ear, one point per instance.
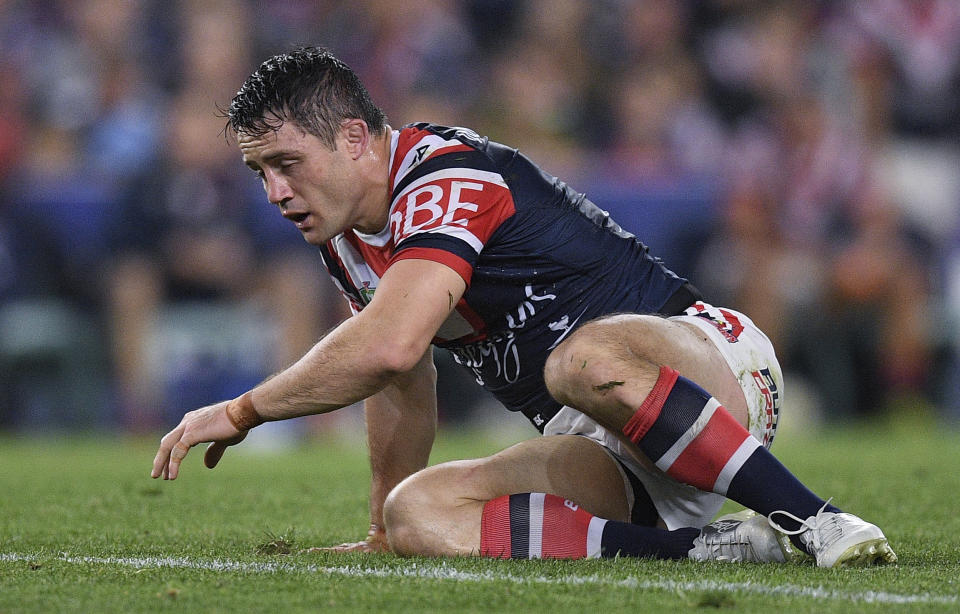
[[356, 137]]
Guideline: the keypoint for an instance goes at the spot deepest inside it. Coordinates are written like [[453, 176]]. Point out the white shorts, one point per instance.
[[751, 358]]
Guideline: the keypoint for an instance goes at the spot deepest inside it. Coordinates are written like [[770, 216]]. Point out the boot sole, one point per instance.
[[870, 552]]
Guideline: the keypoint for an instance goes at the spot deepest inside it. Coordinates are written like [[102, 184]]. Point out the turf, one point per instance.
[[83, 528]]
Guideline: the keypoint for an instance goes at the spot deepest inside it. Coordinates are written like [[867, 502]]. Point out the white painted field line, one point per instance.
[[444, 571]]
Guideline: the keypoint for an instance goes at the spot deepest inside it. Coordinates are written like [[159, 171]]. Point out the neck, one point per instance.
[[378, 200]]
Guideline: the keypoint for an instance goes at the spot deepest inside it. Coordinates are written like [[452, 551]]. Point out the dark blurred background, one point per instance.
[[797, 160]]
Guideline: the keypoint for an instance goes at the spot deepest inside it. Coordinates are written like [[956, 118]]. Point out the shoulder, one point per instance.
[[435, 137], [445, 133], [420, 149]]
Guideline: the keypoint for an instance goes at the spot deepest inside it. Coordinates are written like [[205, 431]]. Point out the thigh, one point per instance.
[[569, 466], [438, 511], [608, 367]]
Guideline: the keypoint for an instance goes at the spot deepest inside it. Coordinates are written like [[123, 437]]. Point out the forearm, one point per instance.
[[401, 425], [345, 367], [366, 352]]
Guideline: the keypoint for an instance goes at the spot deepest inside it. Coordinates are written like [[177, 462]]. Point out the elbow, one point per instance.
[[397, 356]]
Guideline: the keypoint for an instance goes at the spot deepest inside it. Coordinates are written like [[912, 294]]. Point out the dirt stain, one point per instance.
[[608, 386]]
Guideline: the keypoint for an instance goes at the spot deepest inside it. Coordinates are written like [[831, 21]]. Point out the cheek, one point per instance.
[[338, 194]]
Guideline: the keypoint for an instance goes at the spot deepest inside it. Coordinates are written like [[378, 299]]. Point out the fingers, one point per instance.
[[173, 449], [216, 449], [159, 465], [162, 459], [364, 547], [177, 454], [214, 453]]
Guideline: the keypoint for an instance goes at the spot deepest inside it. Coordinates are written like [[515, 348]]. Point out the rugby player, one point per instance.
[[654, 405]]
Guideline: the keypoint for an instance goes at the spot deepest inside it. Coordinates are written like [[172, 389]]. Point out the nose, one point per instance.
[[278, 190]]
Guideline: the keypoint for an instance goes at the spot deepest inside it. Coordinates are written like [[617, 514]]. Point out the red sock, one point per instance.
[[689, 435], [535, 525]]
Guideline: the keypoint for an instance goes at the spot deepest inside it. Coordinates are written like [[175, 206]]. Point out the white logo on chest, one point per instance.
[[431, 206]]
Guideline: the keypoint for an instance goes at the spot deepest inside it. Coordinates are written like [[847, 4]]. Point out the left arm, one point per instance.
[[359, 358], [401, 426]]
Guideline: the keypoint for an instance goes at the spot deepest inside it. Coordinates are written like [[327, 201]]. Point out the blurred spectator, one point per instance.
[[657, 173], [921, 41], [56, 239], [844, 291], [951, 315], [211, 292], [533, 104]]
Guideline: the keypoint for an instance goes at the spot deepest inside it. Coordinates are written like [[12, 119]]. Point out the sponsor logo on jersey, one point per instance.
[[527, 308], [420, 153], [366, 292], [771, 403], [435, 204], [723, 320], [465, 203], [499, 351]]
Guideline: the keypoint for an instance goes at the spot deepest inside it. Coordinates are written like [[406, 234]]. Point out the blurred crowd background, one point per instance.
[[797, 160]]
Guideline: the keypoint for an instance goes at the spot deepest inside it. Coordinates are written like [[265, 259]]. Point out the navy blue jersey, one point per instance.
[[539, 259]]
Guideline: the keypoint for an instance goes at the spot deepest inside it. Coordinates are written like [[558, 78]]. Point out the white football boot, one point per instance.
[[840, 539], [743, 537]]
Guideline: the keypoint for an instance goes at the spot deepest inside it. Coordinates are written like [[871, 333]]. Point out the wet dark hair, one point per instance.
[[307, 86]]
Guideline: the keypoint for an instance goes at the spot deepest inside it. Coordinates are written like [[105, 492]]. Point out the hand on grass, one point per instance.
[[375, 542]]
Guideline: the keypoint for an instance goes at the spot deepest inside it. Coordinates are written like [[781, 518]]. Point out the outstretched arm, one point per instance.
[[359, 358]]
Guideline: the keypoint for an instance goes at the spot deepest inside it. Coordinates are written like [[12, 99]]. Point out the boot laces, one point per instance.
[[822, 530], [730, 545]]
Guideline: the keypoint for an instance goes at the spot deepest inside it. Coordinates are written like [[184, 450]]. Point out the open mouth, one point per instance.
[[298, 218]]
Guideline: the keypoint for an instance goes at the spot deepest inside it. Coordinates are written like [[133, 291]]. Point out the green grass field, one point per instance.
[[84, 529]]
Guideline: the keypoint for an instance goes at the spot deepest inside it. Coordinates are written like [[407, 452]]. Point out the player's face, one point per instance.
[[315, 188]]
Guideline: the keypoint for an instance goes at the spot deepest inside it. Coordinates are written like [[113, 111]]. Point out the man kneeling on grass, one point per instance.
[[655, 406]]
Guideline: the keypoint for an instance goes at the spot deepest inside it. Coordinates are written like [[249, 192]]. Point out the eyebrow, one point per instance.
[[283, 153], [275, 156], [269, 158]]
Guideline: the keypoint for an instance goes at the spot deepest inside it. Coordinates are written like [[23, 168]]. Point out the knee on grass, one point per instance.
[[420, 517]]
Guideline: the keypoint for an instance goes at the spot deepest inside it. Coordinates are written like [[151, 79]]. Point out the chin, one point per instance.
[[315, 237]]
